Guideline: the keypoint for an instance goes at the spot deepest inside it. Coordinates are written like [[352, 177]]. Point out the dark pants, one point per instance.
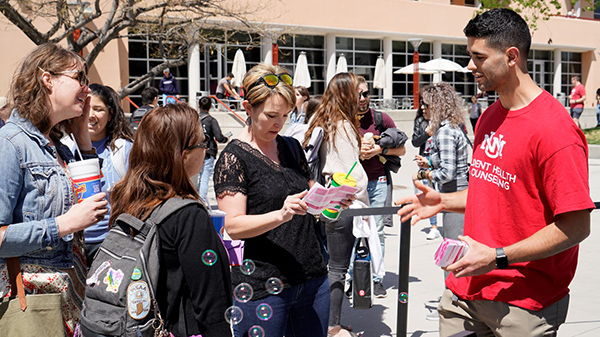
[[473, 123], [340, 242]]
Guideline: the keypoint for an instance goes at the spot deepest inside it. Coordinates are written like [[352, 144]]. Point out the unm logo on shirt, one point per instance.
[[493, 144]]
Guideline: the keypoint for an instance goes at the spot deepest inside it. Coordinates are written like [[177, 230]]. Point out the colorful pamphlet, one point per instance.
[[449, 252], [319, 198]]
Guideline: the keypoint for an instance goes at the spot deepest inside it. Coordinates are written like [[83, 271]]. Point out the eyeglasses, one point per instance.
[[203, 145], [272, 80], [80, 76], [364, 94]]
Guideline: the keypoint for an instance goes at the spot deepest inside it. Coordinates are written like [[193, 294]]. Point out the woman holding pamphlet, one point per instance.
[[260, 180], [340, 150]]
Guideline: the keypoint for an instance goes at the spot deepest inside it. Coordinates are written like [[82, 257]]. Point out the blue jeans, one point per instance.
[[377, 190], [205, 176], [169, 100], [598, 114], [299, 311]]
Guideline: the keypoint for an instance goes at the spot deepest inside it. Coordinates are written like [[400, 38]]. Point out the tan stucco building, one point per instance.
[[363, 32]]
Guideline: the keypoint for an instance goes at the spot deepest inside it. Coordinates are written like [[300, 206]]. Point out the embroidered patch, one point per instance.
[[113, 280], [94, 279], [137, 274], [138, 300]]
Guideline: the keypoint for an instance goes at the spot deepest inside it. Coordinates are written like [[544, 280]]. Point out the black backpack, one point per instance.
[[120, 297]]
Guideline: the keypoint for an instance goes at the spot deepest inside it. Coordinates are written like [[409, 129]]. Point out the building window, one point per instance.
[[143, 56], [464, 83], [540, 64], [402, 55], [571, 66], [470, 3], [290, 47], [361, 55]]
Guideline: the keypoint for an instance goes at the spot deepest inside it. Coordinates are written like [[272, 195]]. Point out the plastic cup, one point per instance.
[[86, 177], [218, 219], [337, 180]]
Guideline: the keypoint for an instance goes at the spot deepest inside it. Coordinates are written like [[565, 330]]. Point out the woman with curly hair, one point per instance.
[[112, 137], [448, 165]]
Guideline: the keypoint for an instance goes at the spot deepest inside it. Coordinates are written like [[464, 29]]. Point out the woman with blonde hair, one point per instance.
[[338, 116], [260, 179]]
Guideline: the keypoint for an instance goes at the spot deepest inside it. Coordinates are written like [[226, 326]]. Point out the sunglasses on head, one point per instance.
[[272, 80], [203, 145]]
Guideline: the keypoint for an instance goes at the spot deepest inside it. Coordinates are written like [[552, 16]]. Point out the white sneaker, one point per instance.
[[433, 316], [433, 234]]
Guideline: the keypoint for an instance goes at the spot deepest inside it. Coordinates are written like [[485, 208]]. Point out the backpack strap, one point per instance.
[[378, 118], [169, 207], [158, 215], [466, 136]]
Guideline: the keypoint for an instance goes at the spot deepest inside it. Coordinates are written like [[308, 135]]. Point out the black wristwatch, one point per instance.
[[384, 151], [501, 259]]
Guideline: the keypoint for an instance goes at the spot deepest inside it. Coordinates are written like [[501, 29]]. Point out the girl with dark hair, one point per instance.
[[259, 183], [112, 137], [40, 221], [338, 116], [298, 115], [168, 149]]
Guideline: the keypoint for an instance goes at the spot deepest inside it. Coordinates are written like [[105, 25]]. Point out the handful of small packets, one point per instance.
[[450, 251]]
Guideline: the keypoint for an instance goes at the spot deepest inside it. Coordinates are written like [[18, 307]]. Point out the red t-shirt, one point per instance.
[[373, 166], [577, 92], [528, 166]]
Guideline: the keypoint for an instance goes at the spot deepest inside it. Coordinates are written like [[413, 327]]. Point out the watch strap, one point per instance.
[[501, 259]]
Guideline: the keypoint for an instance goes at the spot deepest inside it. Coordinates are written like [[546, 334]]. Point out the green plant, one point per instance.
[[592, 135]]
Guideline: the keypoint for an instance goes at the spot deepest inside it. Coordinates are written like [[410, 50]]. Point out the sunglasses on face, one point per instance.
[[272, 80], [80, 75], [203, 145], [364, 94], [424, 105]]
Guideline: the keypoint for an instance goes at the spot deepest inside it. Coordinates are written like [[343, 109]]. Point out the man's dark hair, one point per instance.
[[148, 95], [502, 28], [204, 103], [576, 77], [230, 75]]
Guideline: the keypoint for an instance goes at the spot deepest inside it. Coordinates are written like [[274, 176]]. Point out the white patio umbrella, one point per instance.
[[379, 77], [342, 65], [442, 65], [238, 69], [409, 69], [269, 57], [302, 75]]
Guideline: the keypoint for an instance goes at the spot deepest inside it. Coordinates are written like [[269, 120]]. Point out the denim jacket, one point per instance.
[[34, 190]]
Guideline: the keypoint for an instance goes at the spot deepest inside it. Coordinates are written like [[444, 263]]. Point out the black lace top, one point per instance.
[[290, 252]]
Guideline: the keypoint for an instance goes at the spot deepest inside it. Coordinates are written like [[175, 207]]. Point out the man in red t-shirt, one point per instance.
[[577, 99], [527, 206]]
